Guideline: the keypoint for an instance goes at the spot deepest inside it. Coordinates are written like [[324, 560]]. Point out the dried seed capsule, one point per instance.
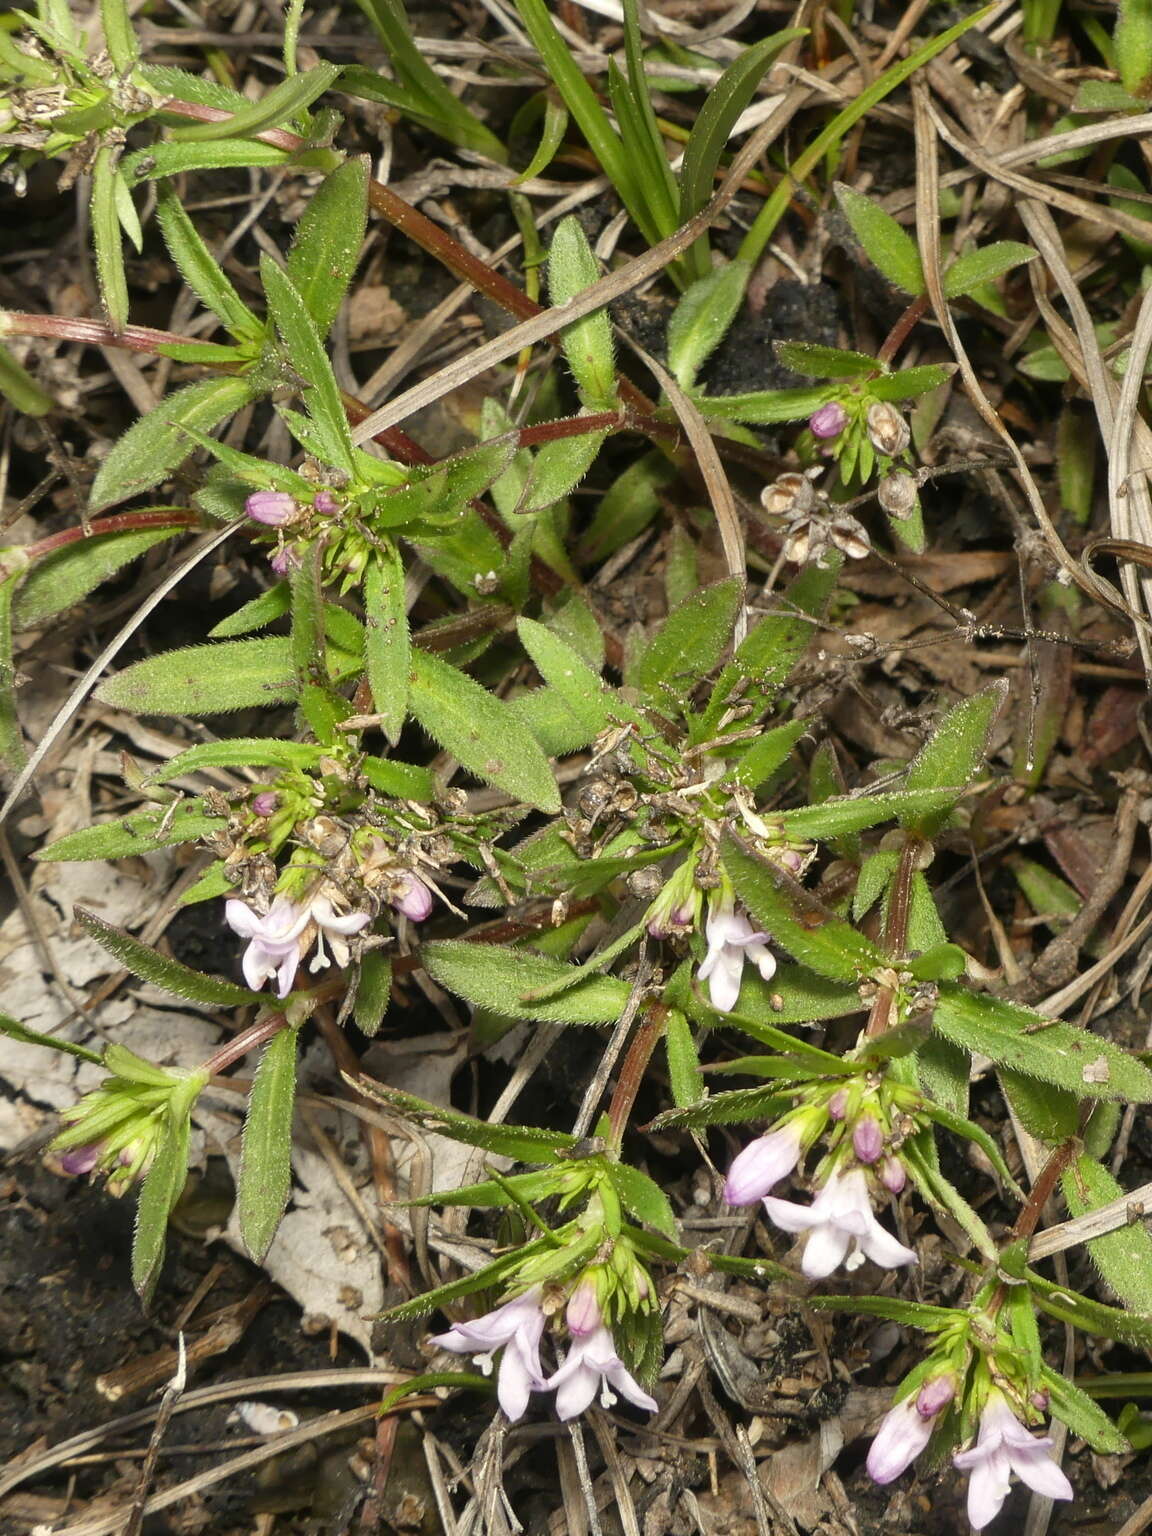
[[888, 432], [896, 493]]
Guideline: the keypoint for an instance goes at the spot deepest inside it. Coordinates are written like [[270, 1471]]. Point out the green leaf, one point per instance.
[[913, 1314], [238, 752], [984, 265], [593, 704], [688, 645], [162, 1188], [1090, 1316], [953, 755], [1058, 1053], [165, 80], [141, 832], [887, 245], [766, 407], [507, 981], [200, 269], [161, 970], [817, 362], [816, 938], [1083, 1417], [627, 507], [373, 992], [643, 1199], [119, 38], [1050, 1114], [206, 679], [66, 575], [722, 106], [387, 647], [26, 1036], [587, 343], [684, 1076], [481, 731], [106, 237], [522, 1143], [1123, 1257], [265, 1181], [833, 818], [735, 1108], [273, 110], [907, 383], [701, 320], [403, 781], [157, 443], [802, 998], [306, 356], [11, 738], [558, 468], [968, 1130], [328, 239], [257, 614]]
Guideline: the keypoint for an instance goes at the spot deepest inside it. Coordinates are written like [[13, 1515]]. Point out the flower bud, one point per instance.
[[325, 503], [897, 493], [935, 1395], [284, 561], [583, 1314], [275, 508], [892, 1175], [867, 1139], [829, 421], [265, 802], [410, 896], [838, 1105], [887, 430]]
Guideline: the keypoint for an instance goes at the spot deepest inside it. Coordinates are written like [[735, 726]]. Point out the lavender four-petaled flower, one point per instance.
[[1002, 1447], [517, 1326], [762, 1164], [841, 1227], [732, 940]]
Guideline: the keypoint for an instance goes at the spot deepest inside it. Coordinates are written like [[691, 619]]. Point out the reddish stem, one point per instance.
[[900, 332], [93, 333], [122, 522], [632, 1071]]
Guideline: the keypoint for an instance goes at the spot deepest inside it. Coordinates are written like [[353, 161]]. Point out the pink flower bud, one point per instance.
[[935, 1395], [867, 1139], [829, 421], [325, 503], [265, 802], [892, 1175], [583, 1314], [1040, 1401], [275, 508], [412, 897], [80, 1160], [284, 561], [838, 1105]]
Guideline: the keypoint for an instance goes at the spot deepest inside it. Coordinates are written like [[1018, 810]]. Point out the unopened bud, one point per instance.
[[275, 508], [867, 1139], [838, 1105], [887, 429], [897, 493], [583, 1311], [325, 503], [412, 897], [892, 1175], [934, 1396], [829, 421], [265, 802]]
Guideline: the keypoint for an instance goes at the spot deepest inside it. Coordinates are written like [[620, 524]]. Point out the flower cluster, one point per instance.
[[592, 1367]]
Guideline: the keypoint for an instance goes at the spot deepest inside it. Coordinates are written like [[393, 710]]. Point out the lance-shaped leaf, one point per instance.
[[373, 992], [66, 575], [920, 1157], [522, 1143], [506, 981], [643, 1199], [481, 731], [701, 320], [833, 818], [1124, 1256], [25, 1036], [305, 354], [1082, 1416], [793, 996], [326, 246], [809, 932], [160, 826], [206, 679], [162, 1187], [275, 108], [1055, 1052], [587, 343], [557, 469], [817, 362], [161, 970], [953, 754], [1090, 1316], [157, 443], [914, 1314], [387, 644], [684, 1075], [734, 1108], [106, 236], [593, 704], [240, 752], [200, 269], [887, 244], [688, 644], [984, 265], [266, 1159]]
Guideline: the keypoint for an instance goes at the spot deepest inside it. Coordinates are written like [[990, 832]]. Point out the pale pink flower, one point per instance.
[[1002, 1447], [907, 1429], [731, 940], [762, 1164], [841, 1227], [274, 508], [594, 1366], [517, 1326], [279, 940]]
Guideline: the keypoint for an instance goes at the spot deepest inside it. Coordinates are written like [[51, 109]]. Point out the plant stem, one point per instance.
[[635, 1064]]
